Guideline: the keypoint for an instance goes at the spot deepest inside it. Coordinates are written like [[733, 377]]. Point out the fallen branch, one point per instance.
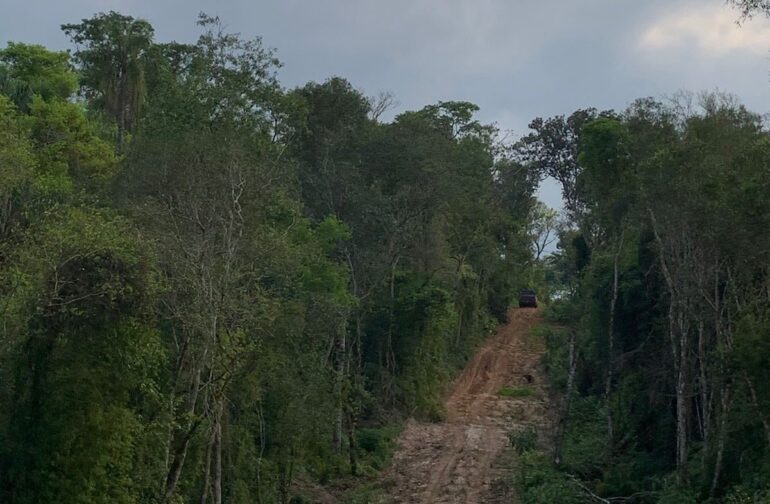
[[608, 500]]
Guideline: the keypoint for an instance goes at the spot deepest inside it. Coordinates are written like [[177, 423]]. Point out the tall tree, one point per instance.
[[111, 58]]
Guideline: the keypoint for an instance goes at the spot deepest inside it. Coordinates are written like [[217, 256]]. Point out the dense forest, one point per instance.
[[214, 288], [664, 361]]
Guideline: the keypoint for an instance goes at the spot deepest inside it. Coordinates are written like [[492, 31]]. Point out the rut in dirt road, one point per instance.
[[463, 459]]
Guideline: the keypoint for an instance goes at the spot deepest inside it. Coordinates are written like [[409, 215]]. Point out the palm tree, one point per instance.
[[111, 55]]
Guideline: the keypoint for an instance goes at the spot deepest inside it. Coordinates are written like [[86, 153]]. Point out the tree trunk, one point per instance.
[[611, 345], [565, 402], [681, 402], [390, 356], [339, 388], [175, 471], [726, 399], [121, 126], [182, 443], [218, 456], [705, 423], [352, 446], [755, 401], [679, 349], [207, 467]]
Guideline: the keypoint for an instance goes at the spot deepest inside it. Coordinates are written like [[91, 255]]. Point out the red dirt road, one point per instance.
[[464, 459]]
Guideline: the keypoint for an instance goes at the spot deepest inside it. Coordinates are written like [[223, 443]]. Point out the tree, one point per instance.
[[80, 337], [249, 289], [16, 164], [33, 70], [662, 294], [545, 228], [111, 58], [551, 150], [749, 7]]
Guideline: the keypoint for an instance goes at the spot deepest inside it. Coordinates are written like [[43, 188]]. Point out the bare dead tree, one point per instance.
[[383, 102]]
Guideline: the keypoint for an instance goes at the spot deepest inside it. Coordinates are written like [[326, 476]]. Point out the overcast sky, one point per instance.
[[516, 59]]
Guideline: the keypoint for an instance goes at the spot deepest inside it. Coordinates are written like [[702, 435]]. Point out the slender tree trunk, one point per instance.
[[726, 399], [459, 330], [121, 126], [207, 467], [352, 445], [339, 388], [565, 402], [390, 356], [681, 401], [359, 341], [182, 442], [705, 408], [611, 345], [6, 209], [261, 452], [680, 351], [755, 401], [218, 455]]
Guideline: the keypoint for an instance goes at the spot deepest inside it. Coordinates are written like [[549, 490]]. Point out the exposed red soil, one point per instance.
[[465, 459]]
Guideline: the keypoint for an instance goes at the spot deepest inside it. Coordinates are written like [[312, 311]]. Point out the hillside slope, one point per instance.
[[464, 459]]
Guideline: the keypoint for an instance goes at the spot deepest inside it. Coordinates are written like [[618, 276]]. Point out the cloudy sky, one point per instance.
[[517, 59]]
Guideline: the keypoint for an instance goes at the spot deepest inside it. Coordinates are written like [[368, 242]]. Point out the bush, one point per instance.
[[538, 482], [673, 494], [364, 494], [743, 495], [375, 446], [585, 438], [523, 440]]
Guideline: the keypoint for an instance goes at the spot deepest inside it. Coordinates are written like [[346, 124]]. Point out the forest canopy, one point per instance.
[[215, 288]]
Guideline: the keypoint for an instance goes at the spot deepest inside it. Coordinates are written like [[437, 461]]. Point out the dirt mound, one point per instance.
[[463, 460]]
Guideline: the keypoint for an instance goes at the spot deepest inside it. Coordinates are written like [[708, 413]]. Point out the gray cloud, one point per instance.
[[516, 59]]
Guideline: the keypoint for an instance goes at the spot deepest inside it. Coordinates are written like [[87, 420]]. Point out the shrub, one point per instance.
[[538, 482], [516, 392], [523, 440]]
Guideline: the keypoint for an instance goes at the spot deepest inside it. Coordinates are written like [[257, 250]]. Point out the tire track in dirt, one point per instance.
[[463, 459]]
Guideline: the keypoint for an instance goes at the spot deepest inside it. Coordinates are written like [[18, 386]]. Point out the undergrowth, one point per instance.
[[516, 392]]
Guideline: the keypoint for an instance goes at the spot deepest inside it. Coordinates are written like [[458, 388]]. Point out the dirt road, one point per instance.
[[464, 459]]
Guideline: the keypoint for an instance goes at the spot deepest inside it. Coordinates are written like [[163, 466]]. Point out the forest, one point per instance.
[[217, 289]]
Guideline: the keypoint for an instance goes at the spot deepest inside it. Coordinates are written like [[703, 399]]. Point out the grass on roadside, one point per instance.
[[516, 392]]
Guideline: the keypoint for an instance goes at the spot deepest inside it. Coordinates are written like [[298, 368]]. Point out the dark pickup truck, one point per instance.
[[527, 298]]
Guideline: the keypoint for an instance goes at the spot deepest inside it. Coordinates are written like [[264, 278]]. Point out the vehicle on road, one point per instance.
[[527, 299]]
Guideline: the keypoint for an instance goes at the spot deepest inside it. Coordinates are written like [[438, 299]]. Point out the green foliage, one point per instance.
[[209, 284], [364, 494], [215, 311], [671, 375], [17, 163], [523, 440], [39, 71], [111, 58], [672, 494], [79, 329], [538, 482], [585, 438], [426, 320], [556, 358], [68, 144], [515, 392], [376, 445], [742, 495]]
